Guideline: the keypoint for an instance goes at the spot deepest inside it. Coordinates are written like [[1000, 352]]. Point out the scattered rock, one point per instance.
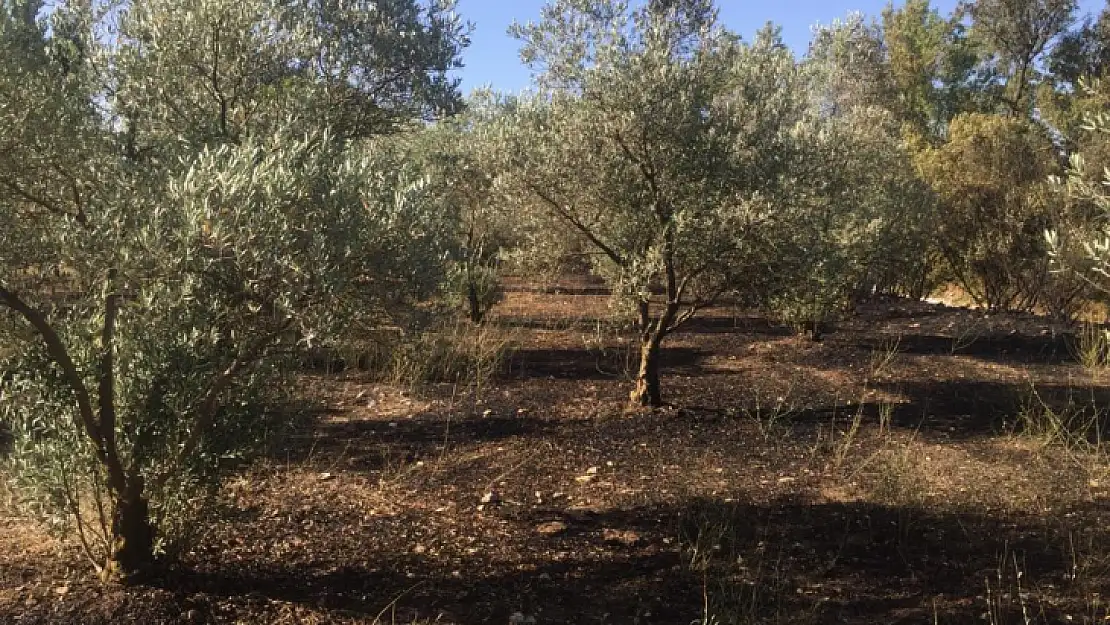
[[551, 528], [323, 477], [585, 479], [419, 549], [627, 538], [491, 498], [592, 471]]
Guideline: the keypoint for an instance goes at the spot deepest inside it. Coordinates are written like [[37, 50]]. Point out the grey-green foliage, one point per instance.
[[162, 260], [211, 70], [851, 216], [850, 196], [1085, 250], [660, 151]]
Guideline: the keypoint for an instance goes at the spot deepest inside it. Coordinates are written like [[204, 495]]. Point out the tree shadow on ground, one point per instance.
[[737, 324], [7, 439], [1002, 348], [806, 562], [377, 444], [594, 364], [968, 409]]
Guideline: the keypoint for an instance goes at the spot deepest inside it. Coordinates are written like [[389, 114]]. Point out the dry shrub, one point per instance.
[[458, 352]]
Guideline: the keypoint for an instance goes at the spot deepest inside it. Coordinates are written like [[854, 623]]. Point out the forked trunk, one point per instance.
[[647, 392], [132, 553]]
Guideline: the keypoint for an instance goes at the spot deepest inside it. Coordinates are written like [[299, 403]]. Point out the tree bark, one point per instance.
[[132, 551], [474, 303], [648, 392]]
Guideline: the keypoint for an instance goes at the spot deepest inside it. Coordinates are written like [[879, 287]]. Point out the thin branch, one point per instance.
[[206, 412], [107, 384], [57, 351], [582, 228]]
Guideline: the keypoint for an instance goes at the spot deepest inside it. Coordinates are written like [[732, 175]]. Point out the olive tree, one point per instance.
[[183, 205], [861, 134], [458, 157], [1083, 249], [660, 140], [851, 222]]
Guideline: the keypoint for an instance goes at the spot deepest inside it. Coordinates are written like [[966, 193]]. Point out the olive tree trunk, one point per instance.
[[648, 392], [132, 535]]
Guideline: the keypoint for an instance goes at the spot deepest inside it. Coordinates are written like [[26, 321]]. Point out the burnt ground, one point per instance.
[[879, 476]]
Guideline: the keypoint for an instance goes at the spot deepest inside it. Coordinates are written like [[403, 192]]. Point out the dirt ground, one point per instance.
[[879, 476]]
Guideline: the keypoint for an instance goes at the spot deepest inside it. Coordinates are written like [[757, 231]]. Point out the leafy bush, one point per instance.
[[162, 262]]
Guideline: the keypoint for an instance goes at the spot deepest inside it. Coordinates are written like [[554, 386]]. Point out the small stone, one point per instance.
[[491, 498], [551, 528], [419, 549], [61, 590], [592, 471], [323, 477], [627, 538], [585, 479], [487, 412], [787, 480]]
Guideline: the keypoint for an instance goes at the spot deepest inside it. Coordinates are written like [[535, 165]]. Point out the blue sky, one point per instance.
[[492, 57]]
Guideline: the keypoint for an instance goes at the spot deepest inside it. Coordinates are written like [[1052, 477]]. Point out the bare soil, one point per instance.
[[878, 476]]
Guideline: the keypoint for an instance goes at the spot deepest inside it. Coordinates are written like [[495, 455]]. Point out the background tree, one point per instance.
[[992, 179], [932, 66], [870, 113], [1017, 33], [458, 157], [658, 138]]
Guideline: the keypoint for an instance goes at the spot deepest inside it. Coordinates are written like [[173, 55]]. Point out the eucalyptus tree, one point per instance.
[[187, 195], [1017, 33], [660, 140], [932, 64]]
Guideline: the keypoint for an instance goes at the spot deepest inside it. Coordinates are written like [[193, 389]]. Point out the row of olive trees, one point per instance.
[[189, 193], [689, 165], [898, 155]]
